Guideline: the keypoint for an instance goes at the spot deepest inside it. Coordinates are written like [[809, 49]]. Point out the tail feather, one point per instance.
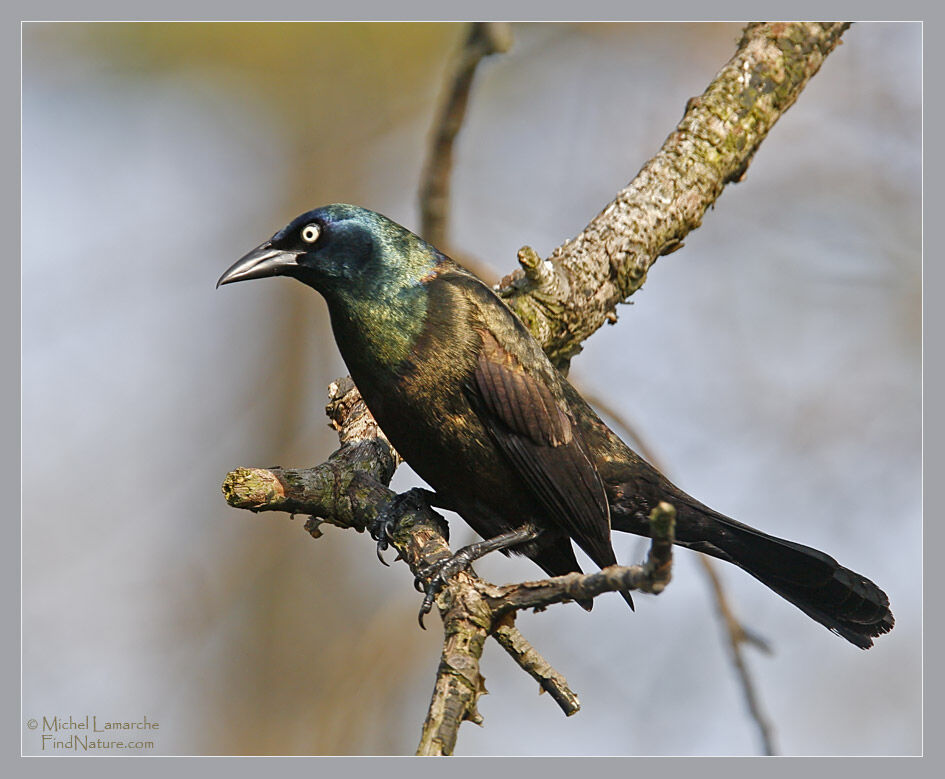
[[842, 600]]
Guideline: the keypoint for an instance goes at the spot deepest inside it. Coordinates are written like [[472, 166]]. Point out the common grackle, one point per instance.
[[469, 399]]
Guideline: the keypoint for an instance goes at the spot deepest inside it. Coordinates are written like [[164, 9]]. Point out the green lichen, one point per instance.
[[251, 488]]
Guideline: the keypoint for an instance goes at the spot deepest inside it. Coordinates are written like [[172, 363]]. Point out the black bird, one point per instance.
[[469, 399]]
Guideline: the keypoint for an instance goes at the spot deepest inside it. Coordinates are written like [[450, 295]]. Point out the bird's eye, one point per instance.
[[310, 233]]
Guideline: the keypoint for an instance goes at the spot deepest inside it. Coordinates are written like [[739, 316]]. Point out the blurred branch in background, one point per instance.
[[484, 39], [737, 636], [736, 633], [567, 298]]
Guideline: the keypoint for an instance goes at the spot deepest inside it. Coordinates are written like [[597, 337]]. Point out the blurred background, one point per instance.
[[773, 365]]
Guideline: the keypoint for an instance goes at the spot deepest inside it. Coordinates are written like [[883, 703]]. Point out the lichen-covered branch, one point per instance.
[[549, 680], [459, 683], [566, 298], [348, 490]]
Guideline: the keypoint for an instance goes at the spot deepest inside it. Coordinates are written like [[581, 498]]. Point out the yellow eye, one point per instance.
[[310, 233]]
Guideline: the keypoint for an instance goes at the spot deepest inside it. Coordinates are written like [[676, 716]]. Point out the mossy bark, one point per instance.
[[567, 297]]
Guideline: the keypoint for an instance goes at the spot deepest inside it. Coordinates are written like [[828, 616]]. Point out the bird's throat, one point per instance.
[[378, 332]]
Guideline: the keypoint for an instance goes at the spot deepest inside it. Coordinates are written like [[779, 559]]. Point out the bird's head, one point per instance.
[[340, 250]]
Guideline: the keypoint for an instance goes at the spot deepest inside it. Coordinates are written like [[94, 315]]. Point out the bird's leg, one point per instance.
[[438, 573], [382, 528]]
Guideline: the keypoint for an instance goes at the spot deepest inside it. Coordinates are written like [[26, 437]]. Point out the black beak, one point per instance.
[[265, 260]]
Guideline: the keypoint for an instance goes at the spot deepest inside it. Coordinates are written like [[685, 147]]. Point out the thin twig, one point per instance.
[[651, 577], [528, 658]]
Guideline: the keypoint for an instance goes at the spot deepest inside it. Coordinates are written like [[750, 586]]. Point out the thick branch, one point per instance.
[[466, 623], [348, 490], [565, 299]]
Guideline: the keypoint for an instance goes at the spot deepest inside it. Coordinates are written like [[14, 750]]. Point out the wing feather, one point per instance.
[[536, 431]]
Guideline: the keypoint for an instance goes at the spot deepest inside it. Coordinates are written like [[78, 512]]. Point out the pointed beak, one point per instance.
[[265, 260]]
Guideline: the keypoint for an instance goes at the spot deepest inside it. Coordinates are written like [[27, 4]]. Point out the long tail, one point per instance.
[[847, 603], [844, 601]]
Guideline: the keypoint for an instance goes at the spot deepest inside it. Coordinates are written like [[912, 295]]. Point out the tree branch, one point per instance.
[[651, 577], [566, 298], [350, 489], [549, 680], [562, 300]]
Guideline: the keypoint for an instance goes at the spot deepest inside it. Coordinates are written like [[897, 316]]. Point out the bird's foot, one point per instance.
[[432, 578], [382, 529]]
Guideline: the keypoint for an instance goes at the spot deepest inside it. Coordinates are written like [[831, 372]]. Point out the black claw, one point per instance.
[[382, 529], [427, 602], [429, 590], [425, 608], [432, 578], [382, 532], [381, 546]]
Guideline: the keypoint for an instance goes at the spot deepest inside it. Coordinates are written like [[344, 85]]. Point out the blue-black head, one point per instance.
[[340, 250]]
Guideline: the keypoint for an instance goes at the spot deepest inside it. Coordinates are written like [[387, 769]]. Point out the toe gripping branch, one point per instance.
[[350, 491], [434, 566], [421, 537], [384, 525], [431, 577], [437, 573]]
